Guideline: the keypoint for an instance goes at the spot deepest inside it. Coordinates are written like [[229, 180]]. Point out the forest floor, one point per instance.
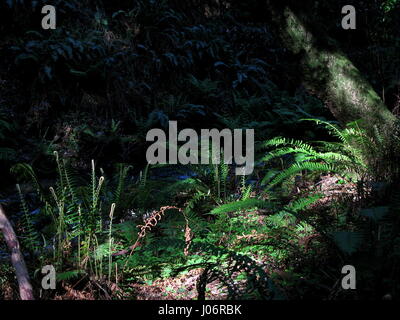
[[184, 285], [178, 288]]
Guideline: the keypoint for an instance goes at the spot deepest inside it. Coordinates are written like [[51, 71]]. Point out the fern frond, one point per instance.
[[241, 205], [69, 275], [298, 167], [301, 204], [25, 171], [31, 237]]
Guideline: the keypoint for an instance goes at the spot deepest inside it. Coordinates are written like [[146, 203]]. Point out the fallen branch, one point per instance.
[[17, 259]]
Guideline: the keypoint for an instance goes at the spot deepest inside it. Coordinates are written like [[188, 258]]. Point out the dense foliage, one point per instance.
[[323, 194]]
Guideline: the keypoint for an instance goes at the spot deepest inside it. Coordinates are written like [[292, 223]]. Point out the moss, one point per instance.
[[335, 79]]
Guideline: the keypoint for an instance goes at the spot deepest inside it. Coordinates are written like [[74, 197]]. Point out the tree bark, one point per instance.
[[329, 73], [17, 259]]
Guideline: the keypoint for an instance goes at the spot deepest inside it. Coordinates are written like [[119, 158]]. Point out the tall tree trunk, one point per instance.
[[330, 74], [17, 259]]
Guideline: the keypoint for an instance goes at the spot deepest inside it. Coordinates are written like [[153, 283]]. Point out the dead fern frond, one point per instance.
[[151, 222]]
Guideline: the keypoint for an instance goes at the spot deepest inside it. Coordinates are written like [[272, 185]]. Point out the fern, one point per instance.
[[24, 171], [296, 168], [346, 156], [122, 175], [76, 212], [301, 204], [225, 263], [143, 177], [69, 275], [31, 237], [241, 205], [246, 192]]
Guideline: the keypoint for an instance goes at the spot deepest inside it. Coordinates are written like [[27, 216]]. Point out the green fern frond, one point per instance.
[[24, 171], [279, 141], [298, 167], [241, 205], [301, 204], [69, 275], [31, 237], [122, 175]]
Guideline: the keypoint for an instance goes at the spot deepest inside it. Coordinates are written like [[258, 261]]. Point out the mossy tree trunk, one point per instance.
[[329, 74]]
